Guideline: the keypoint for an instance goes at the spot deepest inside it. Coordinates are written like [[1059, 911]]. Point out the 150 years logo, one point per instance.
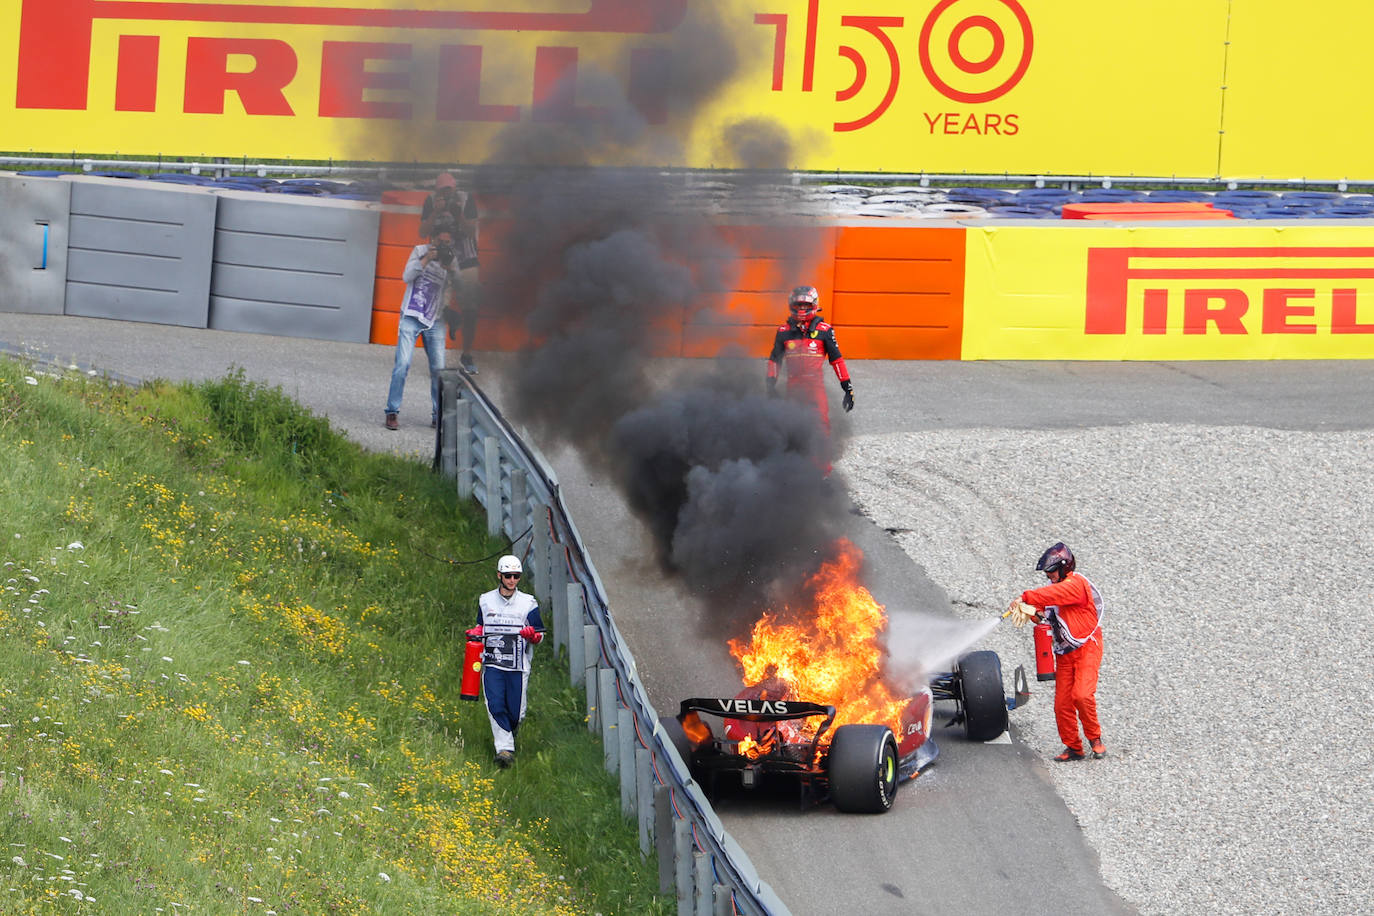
[[970, 51]]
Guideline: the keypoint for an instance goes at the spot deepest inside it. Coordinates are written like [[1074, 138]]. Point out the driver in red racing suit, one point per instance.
[[804, 342]]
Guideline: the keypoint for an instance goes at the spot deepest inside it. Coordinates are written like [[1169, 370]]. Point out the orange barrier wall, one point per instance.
[[1076, 289], [399, 234], [771, 261], [893, 291], [899, 291]]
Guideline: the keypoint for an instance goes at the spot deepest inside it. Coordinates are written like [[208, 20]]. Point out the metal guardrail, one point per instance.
[[711, 874], [425, 171]]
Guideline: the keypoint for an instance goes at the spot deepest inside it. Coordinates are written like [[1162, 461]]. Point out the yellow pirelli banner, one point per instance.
[[1189, 88], [1077, 291], [1291, 78]]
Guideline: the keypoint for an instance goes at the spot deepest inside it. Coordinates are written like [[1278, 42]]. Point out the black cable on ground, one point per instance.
[[510, 546]]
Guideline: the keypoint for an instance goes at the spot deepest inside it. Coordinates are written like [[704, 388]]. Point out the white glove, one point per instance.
[[1021, 613]]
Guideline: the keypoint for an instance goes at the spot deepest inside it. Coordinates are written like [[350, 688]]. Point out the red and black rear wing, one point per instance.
[[756, 710]]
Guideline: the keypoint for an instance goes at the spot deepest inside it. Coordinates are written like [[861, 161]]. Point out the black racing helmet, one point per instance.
[[1059, 557]]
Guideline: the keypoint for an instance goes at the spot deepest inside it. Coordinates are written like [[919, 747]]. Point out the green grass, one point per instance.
[[229, 676]]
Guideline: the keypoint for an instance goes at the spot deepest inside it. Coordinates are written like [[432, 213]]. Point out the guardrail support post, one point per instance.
[[724, 905], [558, 593], [626, 733], [701, 876], [539, 546], [590, 680], [593, 713], [448, 422], [520, 516], [644, 789], [682, 865], [663, 836], [610, 720], [462, 429], [491, 458], [576, 624]]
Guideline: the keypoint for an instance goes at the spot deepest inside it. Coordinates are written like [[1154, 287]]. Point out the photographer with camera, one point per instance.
[[429, 275], [447, 202]]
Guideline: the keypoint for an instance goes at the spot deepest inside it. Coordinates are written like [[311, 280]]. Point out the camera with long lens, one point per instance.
[[444, 225]]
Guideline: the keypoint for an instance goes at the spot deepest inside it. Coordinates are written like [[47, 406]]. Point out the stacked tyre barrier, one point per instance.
[[849, 201], [698, 860]]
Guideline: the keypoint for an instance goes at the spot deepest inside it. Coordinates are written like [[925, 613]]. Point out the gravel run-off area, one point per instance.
[[1238, 679]]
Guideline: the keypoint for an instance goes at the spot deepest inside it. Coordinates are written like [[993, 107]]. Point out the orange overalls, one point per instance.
[[1073, 608]]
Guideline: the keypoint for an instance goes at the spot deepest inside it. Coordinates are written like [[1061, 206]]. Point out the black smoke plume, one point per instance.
[[732, 485], [602, 253]]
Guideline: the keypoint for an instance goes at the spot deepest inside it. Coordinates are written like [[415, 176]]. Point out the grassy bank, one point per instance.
[[229, 679]]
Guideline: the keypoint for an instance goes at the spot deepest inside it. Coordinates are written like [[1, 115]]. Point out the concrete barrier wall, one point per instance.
[[291, 267], [33, 244], [171, 254], [140, 251]]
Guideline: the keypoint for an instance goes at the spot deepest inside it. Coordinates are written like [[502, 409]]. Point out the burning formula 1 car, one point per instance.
[[858, 766]]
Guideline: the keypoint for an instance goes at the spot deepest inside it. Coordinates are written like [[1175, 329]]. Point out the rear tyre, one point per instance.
[[673, 729], [980, 689], [863, 769]]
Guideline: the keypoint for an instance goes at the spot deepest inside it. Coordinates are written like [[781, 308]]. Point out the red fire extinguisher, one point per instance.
[[1044, 653], [472, 669]]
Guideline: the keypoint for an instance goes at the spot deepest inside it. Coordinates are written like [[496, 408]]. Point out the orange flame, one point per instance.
[[753, 749], [696, 730], [832, 656]]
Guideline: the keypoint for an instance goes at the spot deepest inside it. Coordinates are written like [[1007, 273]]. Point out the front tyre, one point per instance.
[[863, 769]]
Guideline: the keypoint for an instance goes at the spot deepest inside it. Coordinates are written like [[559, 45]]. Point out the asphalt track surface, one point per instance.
[[984, 829]]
